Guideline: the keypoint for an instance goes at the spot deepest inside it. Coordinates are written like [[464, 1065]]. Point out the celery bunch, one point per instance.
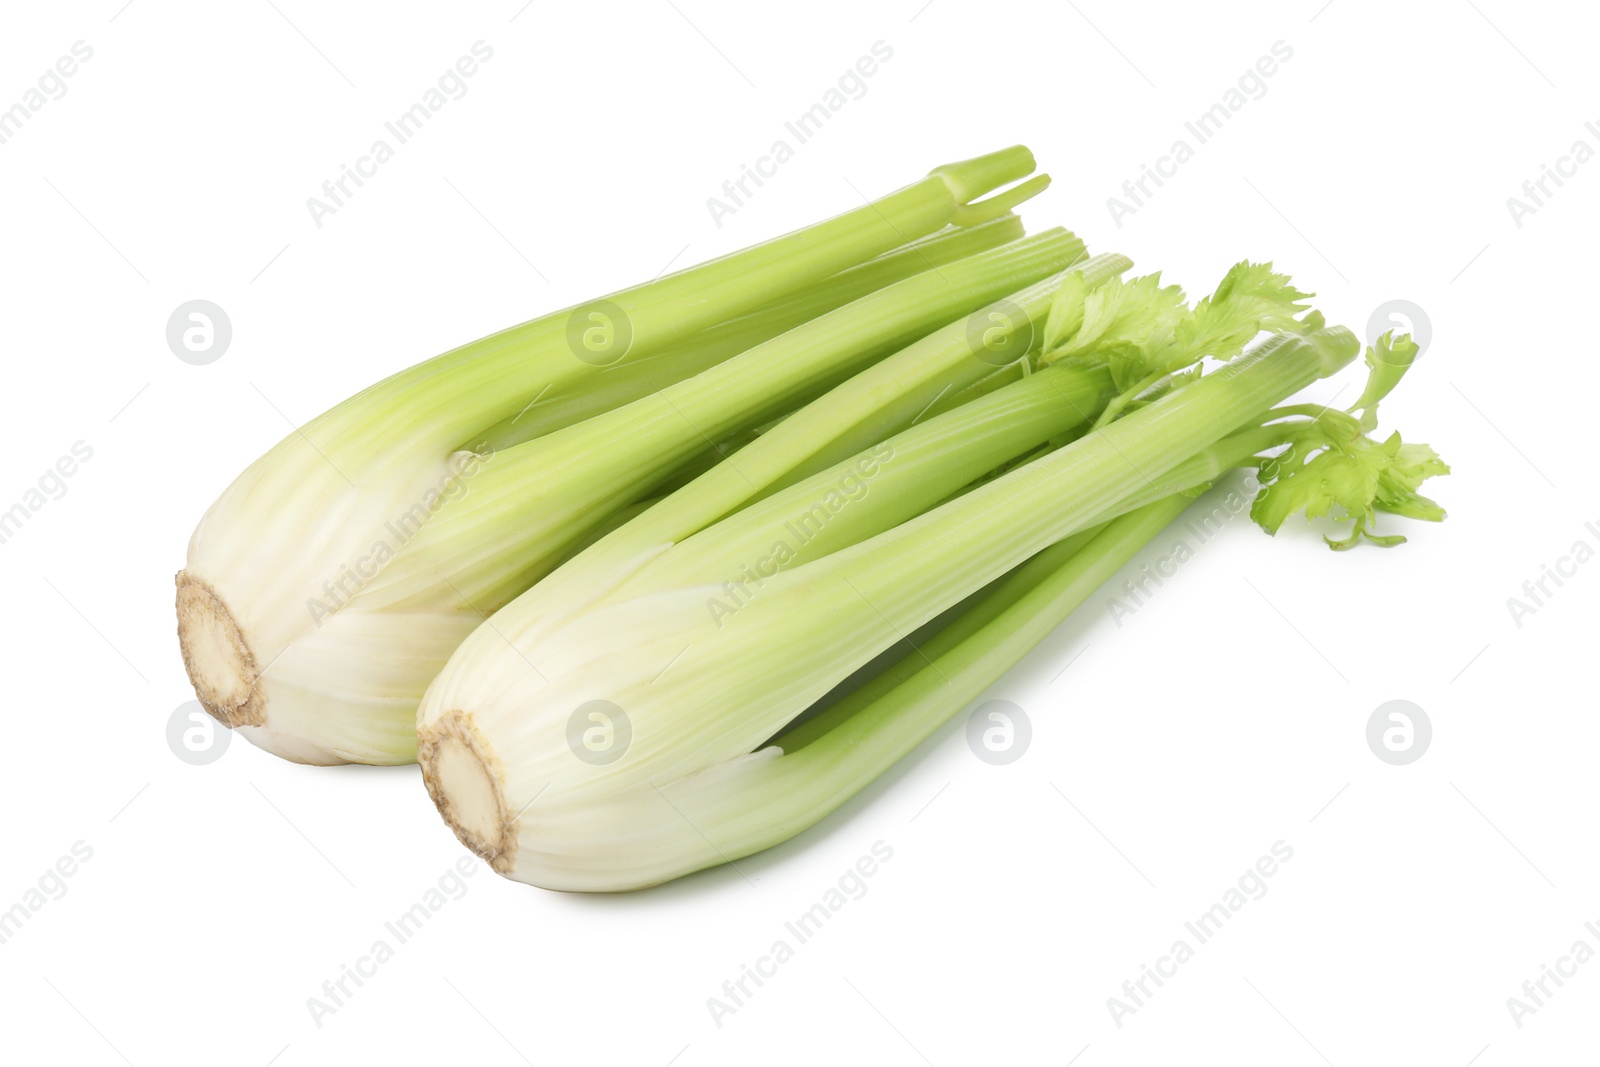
[[604, 574]]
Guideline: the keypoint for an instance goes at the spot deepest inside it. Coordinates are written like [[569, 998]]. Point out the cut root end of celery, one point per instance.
[[218, 658], [464, 779]]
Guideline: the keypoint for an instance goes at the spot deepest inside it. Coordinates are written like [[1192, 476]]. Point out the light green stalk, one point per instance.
[[336, 575], [894, 481], [541, 497], [811, 770], [699, 694], [615, 385], [874, 404]]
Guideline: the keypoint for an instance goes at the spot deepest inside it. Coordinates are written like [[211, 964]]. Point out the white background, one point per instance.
[[1227, 715]]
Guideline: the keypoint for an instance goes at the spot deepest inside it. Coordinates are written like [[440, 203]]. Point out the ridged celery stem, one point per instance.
[[541, 497], [857, 413], [865, 495], [700, 693], [754, 802], [353, 647], [627, 381]]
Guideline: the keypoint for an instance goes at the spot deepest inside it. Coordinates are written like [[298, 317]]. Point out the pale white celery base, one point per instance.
[[307, 686], [464, 779], [219, 661], [327, 682], [700, 695]]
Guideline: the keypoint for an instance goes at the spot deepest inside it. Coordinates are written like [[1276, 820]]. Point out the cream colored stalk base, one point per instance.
[[216, 655], [465, 780], [225, 675]]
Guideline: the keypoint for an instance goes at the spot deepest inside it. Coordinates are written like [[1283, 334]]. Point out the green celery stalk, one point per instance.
[[541, 497], [613, 386], [828, 759], [702, 693]]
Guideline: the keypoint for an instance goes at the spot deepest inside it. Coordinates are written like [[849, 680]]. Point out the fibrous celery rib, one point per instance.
[[297, 565], [808, 629]]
